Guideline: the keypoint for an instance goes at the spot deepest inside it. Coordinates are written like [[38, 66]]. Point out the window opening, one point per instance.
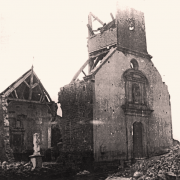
[[134, 64]]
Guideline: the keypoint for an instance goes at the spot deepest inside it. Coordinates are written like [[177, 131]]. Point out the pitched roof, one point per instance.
[[27, 87]]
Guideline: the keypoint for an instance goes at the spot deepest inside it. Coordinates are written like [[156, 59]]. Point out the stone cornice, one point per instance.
[[126, 50], [135, 111]]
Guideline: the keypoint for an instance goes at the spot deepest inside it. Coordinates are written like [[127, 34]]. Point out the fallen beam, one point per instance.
[[17, 84], [90, 64], [112, 16], [42, 87], [80, 70], [28, 101], [83, 72], [34, 85], [31, 84], [90, 30], [26, 84], [16, 94], [95, 63], [112, 50], [108, 26], [96, 18], [98, 54], [90, 24]]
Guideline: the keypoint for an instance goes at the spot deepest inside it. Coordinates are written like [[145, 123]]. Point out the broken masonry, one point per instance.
[[121, 109]]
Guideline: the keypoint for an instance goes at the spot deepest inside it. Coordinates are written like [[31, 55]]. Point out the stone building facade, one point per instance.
[[25, 108], [121, 110]]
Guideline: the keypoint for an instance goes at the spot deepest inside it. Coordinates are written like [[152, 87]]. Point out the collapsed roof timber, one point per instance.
[[96, 57], [28, 87]]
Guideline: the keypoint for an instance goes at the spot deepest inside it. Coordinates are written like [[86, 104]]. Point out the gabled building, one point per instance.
[[121, 110], [25, 108]]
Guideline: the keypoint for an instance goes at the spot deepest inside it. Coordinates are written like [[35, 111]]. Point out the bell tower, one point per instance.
[[126, 32], [131, 35]]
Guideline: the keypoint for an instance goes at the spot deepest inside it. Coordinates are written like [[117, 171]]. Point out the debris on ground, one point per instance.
[[155, 168], [159, 167], [24, 170], [117, 178], [83, 172]]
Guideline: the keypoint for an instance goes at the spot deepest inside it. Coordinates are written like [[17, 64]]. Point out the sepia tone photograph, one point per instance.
[[89, 90]]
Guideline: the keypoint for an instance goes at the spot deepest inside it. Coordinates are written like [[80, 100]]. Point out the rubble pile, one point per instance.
[[15, 170], [22, 170], [158, 167]]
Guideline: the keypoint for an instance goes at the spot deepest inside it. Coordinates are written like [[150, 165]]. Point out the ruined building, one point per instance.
[[121, 110], [25, 108]]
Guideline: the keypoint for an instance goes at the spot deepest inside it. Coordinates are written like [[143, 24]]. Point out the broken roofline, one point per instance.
[[22, 79], [107, 56], [105, 27], [3, 92], [94, 71], [97, 47]]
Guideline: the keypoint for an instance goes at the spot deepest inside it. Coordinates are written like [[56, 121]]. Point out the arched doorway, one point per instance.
[[137, 140]]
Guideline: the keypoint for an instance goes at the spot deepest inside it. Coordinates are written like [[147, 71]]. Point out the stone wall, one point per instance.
[[131, 32], [21, 121], [110, 133], [7, 152], [77, 108]]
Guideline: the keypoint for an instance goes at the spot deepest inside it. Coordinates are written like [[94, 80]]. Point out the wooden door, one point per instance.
[[137, 140]]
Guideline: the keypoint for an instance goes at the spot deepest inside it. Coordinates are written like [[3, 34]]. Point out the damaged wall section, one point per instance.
[[25, 119], [77, 106], [6, 151]]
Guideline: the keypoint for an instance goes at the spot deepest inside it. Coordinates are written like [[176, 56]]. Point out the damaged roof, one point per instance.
[[27, 87]]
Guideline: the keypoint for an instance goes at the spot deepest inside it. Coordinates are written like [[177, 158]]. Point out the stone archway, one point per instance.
[[137, 140]]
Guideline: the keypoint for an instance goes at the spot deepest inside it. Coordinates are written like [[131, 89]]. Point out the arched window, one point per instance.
[[134, 64]]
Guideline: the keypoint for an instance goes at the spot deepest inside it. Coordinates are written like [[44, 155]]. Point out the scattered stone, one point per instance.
[[117, 178], [4, 165], [142, 177], [137, 174], [157, 167], [83, 172], [162, 176]]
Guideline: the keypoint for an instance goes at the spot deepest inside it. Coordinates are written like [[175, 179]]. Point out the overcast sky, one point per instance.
[[54, 32]]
